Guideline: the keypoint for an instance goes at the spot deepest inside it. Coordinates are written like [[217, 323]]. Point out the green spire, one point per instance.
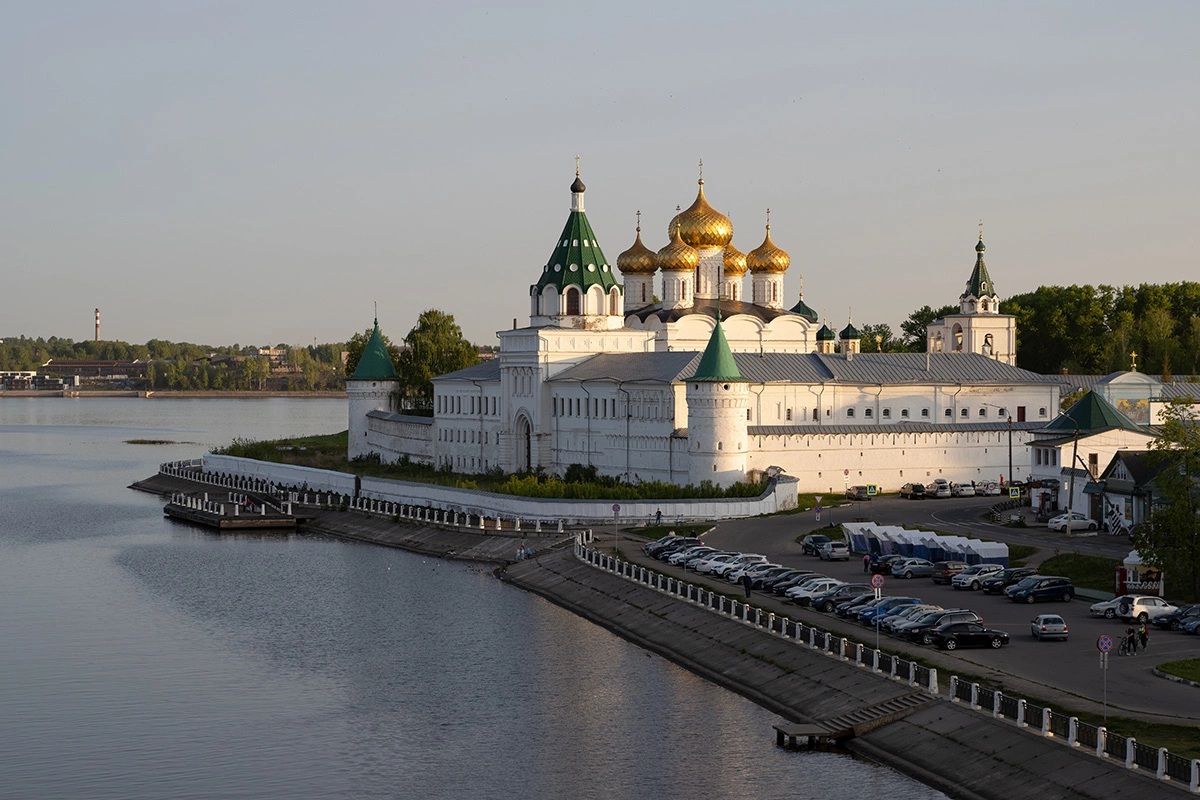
[[717, 363], [1092, 414], [577, 259], [375, 364], [980, 283]]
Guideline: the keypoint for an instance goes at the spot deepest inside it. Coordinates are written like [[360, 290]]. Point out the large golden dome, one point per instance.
[[767, 257], [678, 256], [735, 261], [701, 225], [637, 260]]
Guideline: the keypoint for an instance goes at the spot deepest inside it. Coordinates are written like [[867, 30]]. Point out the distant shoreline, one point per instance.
[[172, 395]]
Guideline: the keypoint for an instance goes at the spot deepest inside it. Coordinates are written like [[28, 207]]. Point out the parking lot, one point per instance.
[[1060, 671]]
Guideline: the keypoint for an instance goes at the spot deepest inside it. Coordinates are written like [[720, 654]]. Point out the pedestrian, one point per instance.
[[528, 553], [874, 562], [746, 581], [1131, 641], [866, 562], [658, 517], [520, 554], [1144, 635]]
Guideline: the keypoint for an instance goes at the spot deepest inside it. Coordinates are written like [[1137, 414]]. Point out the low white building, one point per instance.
[[607, 375]]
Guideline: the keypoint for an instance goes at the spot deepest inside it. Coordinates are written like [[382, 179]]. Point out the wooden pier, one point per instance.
[[849, 725], [229, 515]]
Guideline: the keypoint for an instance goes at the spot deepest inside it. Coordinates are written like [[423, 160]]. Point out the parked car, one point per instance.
[[1178, 618], [1041, 588], [1108, 608], [834, 551], [944, 571], [669, 544], [988, 489], [1048, 626], [913, 491], [1079, 522], [962, 489], [996, 584], [867, 615], [857, 493], [1191, 626], [828, 601], [912, 568], [954, 635], [749, 568], [803, 594], [811, 543], [898, 616], [769, 584], [883, 564], [739, 561], [804, 575], [939, 488], [922, 631], [684, 554], [760, 580], [973, 576], [850, 608], [927, 615], [1144, 608]]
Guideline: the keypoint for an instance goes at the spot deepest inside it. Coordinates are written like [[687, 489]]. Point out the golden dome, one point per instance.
[[639, 259], [701, 225], [677, 256], [767, 257], [735, 261]]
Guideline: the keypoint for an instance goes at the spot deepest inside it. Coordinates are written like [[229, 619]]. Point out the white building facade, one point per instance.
[[608, 375]]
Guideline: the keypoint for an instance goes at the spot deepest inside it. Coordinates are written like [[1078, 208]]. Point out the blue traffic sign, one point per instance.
[[877, 581], [1104, 644]]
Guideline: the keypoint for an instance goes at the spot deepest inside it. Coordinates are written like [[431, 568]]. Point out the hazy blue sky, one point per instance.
[[262, 172]]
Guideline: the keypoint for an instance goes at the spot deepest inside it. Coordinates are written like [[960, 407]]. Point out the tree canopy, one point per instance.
[[433, 347], [1170, 540]]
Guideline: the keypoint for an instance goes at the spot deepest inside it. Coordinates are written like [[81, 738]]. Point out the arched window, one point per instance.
[[612, 302], [774, 292], [572, 301], [643, 292]]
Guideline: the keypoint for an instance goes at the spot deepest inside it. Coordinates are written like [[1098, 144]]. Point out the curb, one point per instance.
[[1159, 673]]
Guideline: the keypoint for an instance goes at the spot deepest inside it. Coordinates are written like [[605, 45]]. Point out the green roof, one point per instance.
[[980, 283], [375, 364], [850, 332], [717, 362], [577, 259], [826, 334], [1093, 414], [804, 310]]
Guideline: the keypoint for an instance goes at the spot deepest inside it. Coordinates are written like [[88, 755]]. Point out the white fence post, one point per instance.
[[953, 688], [1101, 735], [1130, 745], [933, 680], [1161, 774], [1073, 732], [996, 695], [1047, 715]]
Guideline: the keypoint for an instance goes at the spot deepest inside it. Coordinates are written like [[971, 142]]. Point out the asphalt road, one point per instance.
[[1064, 671]]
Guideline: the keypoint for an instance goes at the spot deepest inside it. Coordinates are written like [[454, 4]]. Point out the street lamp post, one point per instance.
[[1010, 472]]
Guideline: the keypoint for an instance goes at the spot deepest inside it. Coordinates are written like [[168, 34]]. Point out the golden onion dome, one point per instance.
[[678, 256], [701, 225], [639, 259], [735, 261], [767, 257]]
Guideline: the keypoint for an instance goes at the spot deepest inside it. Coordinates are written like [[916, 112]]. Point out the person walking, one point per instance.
[[658, 517], [1131, 641], [1144, 634], [746, 581], [866, 562]]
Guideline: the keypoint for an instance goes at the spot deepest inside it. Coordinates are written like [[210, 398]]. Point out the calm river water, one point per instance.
[[143, 658]]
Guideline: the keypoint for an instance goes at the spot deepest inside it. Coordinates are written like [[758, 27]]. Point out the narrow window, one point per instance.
[[572, 301], [850, 412]]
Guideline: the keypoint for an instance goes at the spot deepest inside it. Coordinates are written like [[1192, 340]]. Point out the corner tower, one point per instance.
[[979, 327], [369, 389], [717, 399], [577, 288]]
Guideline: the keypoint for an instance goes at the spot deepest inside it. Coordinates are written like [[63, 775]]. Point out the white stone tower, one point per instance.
[[369, 389], [979, 327], [717, 399]]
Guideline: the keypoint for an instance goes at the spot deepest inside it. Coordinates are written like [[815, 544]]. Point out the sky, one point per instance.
[[267, 172]]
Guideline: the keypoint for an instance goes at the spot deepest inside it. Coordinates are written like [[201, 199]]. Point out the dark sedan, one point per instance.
[[954, 635], [1176, 619], [996, 584], [883, 565], [829, 600]]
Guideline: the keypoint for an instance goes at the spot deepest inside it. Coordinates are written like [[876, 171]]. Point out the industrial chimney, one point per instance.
[[97, 324]]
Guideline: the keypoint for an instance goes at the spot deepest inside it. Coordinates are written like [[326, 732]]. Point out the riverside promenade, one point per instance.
[[961, 751]]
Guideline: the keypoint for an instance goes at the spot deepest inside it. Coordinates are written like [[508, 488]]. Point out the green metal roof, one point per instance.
[[717, 362], [577, 259], [1092, 414], [980, 283], [826, 334], [850, 332], [375, 364], [804, 310]]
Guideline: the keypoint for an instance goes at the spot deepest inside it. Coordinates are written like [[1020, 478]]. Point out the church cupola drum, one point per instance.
[[577, 288]]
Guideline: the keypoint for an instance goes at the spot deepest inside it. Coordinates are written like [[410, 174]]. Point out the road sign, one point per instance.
[[818, 498], [1014, 493], [846, 472], [616, 508], [872, 490], [1104, 644], [877, 581]]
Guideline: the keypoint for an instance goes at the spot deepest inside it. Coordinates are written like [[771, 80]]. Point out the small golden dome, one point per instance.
[[678, 256], [767, 257], [637, 260], [701, 225], [735, 261]]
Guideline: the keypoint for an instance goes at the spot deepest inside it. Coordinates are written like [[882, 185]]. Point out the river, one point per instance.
[[144, 658]]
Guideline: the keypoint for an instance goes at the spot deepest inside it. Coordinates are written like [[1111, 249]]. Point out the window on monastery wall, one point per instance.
[[850, 412], [747, 415], [965, 412], [983, 412], [904, 412], [1004, 412], [887, 413], [789, 415], [816, 416], [868, 413], [949, 413], [1042, 411], [572, 301], [924, 412]]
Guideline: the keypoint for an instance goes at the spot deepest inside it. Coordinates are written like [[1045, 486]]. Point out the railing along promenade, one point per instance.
[[1039, 721]]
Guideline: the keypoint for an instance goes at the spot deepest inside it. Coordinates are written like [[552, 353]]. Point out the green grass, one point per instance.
[[1017, 553], [1188, 670], [1086, 572]]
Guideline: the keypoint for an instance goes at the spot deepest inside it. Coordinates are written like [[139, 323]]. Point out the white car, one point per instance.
[[990, 489], [688, 553], [939, 488], [812, 588], [737, 563], [962, 490], [750, 570], [1144, 608], [1079, 522], [972, 577], [834, 551], [1108, 608], [711, 563]]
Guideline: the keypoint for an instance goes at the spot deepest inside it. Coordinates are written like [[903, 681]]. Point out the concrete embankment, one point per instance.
[[964, 753]]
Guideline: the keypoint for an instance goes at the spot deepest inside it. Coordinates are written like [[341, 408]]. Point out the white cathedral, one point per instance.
[[707, 385]]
